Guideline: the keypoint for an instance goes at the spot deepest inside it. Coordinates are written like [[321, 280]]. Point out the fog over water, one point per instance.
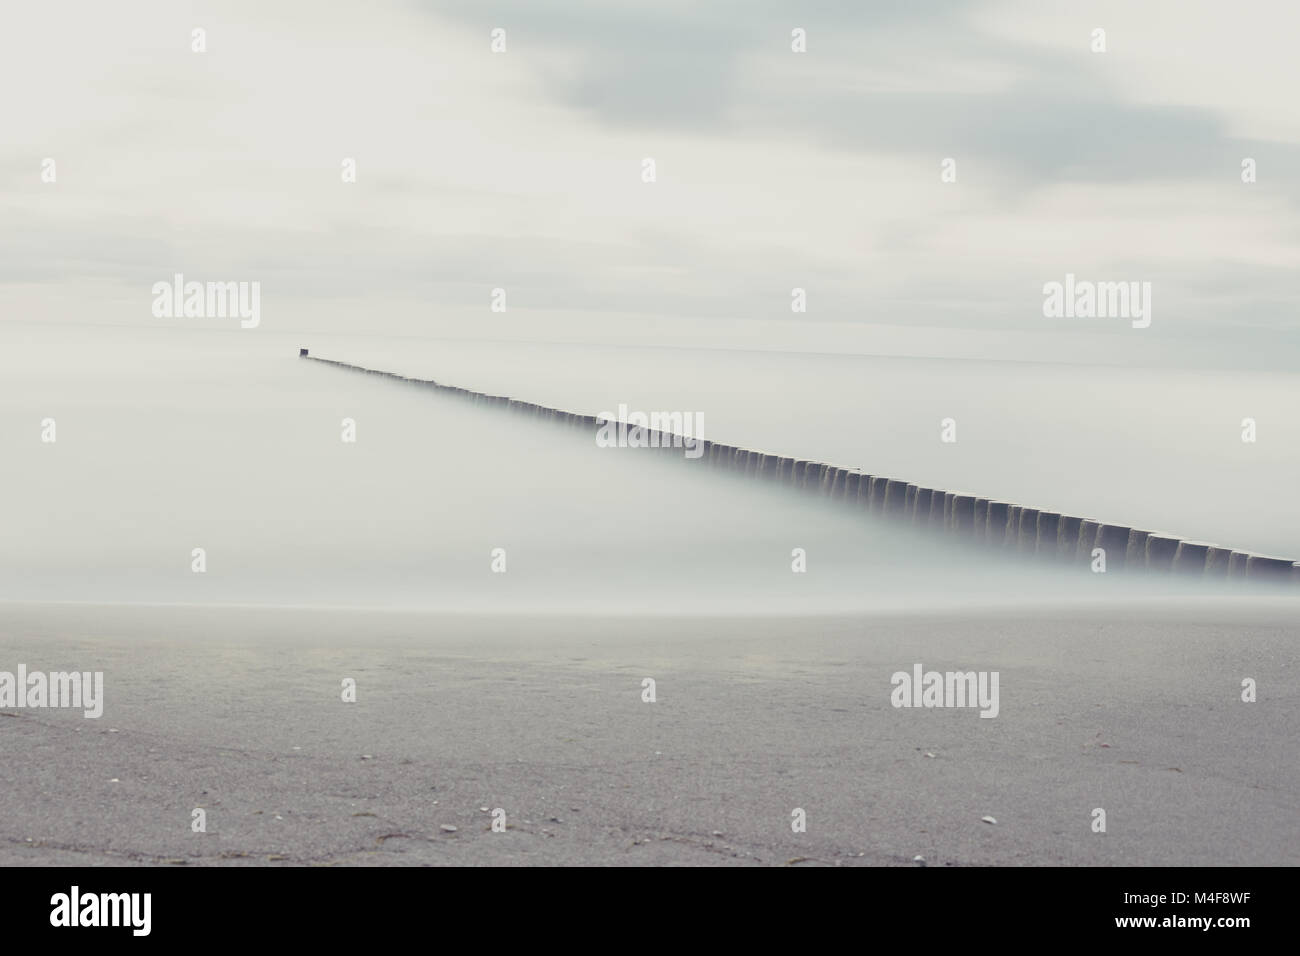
[[1158, 448], [170, 440]]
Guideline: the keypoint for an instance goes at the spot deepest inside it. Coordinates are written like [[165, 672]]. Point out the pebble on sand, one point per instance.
[[448, 828], [988, 820]]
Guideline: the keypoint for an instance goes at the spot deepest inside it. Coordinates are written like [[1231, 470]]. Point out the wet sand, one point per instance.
[[238, 711]]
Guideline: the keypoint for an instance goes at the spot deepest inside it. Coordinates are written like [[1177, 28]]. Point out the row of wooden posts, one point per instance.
[[986, 522]]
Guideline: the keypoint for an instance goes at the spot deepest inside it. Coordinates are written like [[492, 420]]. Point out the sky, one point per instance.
[[775, 170]]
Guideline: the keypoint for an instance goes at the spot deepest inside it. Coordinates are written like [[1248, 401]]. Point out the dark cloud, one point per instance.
[[700, 67], [671, 65]]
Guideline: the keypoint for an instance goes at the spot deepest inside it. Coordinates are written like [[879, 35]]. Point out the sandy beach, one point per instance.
[[238, 711]]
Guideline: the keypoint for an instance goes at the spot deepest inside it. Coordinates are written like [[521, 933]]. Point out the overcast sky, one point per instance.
[[775, 169]]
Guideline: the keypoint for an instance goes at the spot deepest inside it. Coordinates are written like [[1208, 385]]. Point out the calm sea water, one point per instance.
[[172, 441]]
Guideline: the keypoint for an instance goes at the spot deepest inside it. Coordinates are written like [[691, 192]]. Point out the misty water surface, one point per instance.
[[228, 442]]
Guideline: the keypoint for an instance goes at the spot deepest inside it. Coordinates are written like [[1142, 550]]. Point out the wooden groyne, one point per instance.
[[988, 523]]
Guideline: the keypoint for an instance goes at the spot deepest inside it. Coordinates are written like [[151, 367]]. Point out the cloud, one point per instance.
[[777, 169], [724, 70]]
